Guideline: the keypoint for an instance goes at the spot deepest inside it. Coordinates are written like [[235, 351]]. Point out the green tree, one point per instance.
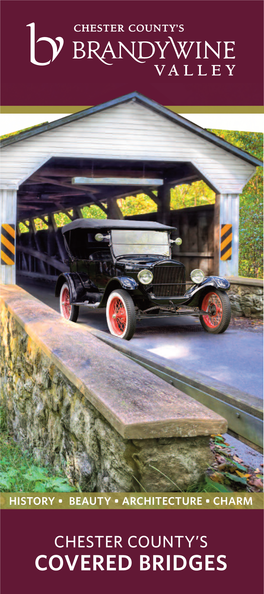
[[196, 194], [135, 205]]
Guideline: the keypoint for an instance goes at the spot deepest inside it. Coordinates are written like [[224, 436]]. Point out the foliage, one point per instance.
[[23, 227], [18, 473], [40, 223], [251, 228], [250, 142], [94, 212], [136, 205], [197, 194], [3, 419], [228, 472]]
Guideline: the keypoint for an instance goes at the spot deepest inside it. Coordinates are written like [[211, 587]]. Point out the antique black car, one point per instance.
[[127, 268]]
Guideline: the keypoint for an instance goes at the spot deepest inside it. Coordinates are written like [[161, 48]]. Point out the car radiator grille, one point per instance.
[[168, 281]]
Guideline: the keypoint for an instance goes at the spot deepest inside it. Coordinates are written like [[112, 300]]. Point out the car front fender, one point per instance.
[[194, 293], [127, 283], [118, 282]]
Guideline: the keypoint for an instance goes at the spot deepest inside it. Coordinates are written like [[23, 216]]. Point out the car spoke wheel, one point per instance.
[[68, 311], [120, 314], [216, 304]]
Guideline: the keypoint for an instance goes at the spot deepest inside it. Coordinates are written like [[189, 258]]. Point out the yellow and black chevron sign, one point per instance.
[[226, 242], [8, 244]]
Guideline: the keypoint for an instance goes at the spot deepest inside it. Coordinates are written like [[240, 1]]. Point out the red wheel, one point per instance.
[[68, 311], [217, 305], [120, 314]]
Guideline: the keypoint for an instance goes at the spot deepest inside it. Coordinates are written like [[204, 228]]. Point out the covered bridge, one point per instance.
[[120, 148]]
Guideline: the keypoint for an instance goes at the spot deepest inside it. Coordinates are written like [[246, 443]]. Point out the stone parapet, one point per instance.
[[246, 296], [76, 403]]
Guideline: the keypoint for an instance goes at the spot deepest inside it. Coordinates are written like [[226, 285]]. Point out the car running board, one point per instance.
[[87, 304], [167, 314]]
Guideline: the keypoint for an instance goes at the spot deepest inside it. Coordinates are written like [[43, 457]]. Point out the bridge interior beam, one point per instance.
[[50, 188]]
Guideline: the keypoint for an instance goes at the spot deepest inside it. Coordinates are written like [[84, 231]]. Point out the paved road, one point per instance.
[[234, 358]]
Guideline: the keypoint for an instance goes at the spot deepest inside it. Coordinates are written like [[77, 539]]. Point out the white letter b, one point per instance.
[[55, 49]]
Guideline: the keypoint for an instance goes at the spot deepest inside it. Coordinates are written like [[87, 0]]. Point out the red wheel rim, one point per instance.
[[213, 305], [117, 315], [65, 303]]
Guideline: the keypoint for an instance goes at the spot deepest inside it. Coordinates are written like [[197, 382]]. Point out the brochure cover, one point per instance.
[[131, 189]]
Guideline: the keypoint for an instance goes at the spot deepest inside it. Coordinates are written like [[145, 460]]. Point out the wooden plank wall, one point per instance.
[[196, 228]]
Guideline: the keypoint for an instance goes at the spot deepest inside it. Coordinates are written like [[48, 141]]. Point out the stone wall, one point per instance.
[[246, 296], [53, 417]]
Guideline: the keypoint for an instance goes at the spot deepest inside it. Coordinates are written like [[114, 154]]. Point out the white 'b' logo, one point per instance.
[[55, 48]]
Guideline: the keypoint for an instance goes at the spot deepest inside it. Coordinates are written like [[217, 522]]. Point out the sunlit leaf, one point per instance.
[[235, 478]]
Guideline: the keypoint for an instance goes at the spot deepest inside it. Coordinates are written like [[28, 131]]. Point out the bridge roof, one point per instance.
[[121, 148], [209, 136], [115, 224]]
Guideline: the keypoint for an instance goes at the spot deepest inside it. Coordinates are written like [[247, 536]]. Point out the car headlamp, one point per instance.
[[197, 276], [145, 277]]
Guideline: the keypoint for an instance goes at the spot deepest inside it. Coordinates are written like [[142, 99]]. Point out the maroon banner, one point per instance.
[[175, 52], [150, 550]]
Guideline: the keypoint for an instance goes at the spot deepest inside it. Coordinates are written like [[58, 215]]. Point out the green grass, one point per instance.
[[19, 473]]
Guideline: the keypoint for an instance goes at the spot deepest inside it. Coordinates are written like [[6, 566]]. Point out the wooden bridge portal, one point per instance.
[[124, 147]]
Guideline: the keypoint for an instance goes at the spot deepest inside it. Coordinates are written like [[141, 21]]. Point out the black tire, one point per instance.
[[68, 311], [120, 314], [219, 311]]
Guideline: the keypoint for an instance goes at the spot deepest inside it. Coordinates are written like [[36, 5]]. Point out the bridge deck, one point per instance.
[[234, 358]]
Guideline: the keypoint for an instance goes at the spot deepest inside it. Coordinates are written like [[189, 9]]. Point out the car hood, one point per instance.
[[142, 260]]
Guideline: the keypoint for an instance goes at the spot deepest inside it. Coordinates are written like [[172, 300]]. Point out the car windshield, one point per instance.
[[126, 242]]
